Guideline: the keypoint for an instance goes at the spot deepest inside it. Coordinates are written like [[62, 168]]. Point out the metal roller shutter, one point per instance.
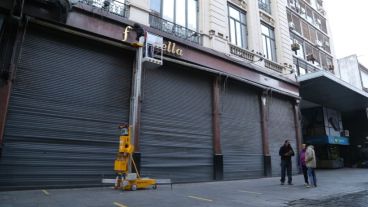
[[176, 125], [241, 138], [69, 96], [281, 127]]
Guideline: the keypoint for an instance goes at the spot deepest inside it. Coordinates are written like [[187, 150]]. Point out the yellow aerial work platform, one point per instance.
[[125, 180]]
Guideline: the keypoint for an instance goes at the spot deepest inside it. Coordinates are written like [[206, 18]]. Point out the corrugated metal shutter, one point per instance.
[[69, 96], [176, 126], [281, 127], [241, 138]]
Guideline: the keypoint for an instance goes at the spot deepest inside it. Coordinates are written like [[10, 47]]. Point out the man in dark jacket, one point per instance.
[[286, 152]]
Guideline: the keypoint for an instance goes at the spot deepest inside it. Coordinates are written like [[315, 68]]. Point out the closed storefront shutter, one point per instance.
[[176, 126], [281, 127], [241, 138], [68, 99]]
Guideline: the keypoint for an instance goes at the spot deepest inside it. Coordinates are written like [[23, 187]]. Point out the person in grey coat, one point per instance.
[[311, 163]]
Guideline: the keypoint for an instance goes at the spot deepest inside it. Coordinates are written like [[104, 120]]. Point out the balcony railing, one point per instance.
[[304, 67], [174, 29], [241, 52], [119, 8], [273, 66], [265, 6]]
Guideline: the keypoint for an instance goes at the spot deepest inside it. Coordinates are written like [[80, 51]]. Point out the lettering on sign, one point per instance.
[[168, 47]]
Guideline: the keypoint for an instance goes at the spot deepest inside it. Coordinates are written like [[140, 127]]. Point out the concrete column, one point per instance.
[[265, 135], [297, 121], [12, 44], [216, 124]]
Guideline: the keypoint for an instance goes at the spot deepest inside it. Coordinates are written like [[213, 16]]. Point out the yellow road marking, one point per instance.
[[45, 192], [244, 191], [199, 198], [119, 204]]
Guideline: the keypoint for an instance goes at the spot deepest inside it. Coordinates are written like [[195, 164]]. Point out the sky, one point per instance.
[[349, 27]]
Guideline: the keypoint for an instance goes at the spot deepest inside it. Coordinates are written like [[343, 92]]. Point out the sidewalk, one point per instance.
[[265, 192]]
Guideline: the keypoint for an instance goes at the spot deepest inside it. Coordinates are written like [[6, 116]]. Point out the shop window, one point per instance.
[[268, 40], [237, 26]]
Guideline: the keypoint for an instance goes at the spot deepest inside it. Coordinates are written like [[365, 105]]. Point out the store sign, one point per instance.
[[168, 47]]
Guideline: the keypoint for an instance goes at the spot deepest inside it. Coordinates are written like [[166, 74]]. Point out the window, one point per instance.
[[265, 5], [238, 27], [364, 79], [181, 12], [268, 40]]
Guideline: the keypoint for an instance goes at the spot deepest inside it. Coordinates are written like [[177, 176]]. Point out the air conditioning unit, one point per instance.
[[310, 57], [322, 11], [295, 47], [319, 43], [291, 25]]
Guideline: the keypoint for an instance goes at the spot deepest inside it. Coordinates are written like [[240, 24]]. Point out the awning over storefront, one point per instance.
[[327, 140], [325, 89]]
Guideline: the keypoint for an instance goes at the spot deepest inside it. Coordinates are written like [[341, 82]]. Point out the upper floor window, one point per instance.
[[265, 5], [268, 40], [180, 12], [364, 76], [238, 27]]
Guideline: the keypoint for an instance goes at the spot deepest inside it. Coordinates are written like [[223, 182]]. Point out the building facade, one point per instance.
[[218, 108], [332, 94]]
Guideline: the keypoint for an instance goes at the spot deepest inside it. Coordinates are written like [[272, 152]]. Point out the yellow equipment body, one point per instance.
[[124, 158]]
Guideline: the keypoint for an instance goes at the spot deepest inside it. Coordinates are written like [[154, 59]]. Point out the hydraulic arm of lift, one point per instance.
[[124, 179]]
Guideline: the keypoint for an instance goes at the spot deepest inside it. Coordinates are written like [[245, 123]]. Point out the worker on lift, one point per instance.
[[125, 180]]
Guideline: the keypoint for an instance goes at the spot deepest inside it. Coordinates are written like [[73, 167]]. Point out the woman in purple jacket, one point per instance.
[[302, 164]]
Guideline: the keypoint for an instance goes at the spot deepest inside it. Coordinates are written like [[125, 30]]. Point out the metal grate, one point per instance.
[[174, 29], [119, 8]]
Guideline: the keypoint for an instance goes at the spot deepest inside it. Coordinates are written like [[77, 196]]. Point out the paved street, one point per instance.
[[344, 187], [357, 199]]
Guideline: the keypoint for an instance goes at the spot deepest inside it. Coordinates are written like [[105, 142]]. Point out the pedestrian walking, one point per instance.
[[286, 152], [311, 163], [302, 164]]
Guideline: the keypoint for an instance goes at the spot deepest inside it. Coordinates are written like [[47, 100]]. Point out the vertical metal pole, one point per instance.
[[134, 120], [137, 82]]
